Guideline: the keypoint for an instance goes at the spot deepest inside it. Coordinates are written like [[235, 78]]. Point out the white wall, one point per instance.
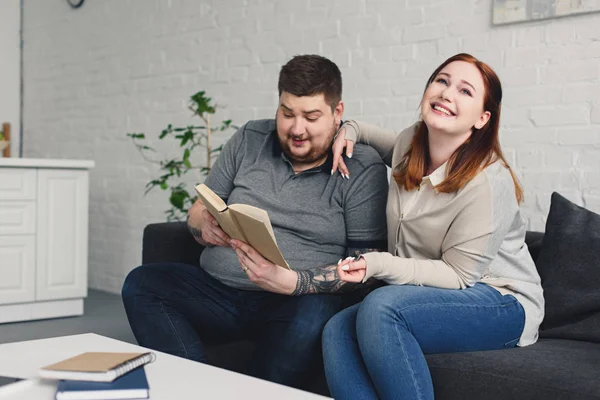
[[10, 51], [114, 66]]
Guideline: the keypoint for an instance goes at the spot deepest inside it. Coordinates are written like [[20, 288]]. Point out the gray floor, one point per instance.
[[103, 314]]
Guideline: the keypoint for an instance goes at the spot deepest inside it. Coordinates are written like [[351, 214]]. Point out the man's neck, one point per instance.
[[301, 167]]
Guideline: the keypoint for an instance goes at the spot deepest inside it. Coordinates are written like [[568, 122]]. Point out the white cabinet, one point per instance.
[[43, 238]]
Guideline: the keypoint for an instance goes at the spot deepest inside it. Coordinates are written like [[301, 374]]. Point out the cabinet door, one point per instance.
[[17, 269], [62, 245]]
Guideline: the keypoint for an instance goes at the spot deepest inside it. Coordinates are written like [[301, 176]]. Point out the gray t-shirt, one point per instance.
[[316, 216]]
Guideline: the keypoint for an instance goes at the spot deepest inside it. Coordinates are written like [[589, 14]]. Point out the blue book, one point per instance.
[[132, 385]]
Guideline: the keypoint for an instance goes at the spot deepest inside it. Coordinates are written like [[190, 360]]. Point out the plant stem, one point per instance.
[[208, 146]]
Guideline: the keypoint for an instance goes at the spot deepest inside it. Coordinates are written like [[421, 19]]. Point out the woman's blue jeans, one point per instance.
[[376, 349]]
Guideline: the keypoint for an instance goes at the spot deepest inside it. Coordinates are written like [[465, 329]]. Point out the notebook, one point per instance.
[[96, 367], [132, 385]]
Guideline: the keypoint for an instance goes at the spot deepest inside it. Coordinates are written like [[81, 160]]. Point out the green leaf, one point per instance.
[[217, 149], [225, 124], [177, 198], [164, 185]]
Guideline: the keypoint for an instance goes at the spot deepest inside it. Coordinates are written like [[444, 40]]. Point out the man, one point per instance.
[[284, 167]]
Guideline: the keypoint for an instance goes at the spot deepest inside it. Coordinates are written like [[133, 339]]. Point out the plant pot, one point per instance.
[[3, 144]]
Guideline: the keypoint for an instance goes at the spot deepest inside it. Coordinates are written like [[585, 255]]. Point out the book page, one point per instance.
[[259, 232], [219, 210], [257, 213], [210, 198]]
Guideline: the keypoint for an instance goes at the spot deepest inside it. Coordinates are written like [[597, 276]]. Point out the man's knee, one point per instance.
[[141, 279], [313, 312]]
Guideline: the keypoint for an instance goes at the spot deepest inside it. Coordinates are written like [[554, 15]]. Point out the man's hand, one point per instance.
[[350, 270], [262, 272], [211, 231], [205, 228]]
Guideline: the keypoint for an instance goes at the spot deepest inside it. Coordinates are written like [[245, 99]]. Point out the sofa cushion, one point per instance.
[[569, 265], [549, 369]]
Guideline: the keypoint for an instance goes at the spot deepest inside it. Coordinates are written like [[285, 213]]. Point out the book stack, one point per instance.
[[101, 375]]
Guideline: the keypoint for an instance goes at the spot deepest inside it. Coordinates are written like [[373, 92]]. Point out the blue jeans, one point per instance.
[[376, 349], [177, 308]]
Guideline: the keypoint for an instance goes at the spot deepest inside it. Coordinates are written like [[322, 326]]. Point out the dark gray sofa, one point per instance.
[[553, 368]]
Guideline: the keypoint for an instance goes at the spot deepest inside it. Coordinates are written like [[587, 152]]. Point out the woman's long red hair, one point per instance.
[[480, 150]]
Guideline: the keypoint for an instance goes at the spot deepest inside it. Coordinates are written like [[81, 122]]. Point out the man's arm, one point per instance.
[[325, 279], [194, 221]]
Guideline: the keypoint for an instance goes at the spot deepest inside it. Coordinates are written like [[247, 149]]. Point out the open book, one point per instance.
[[243, 222]]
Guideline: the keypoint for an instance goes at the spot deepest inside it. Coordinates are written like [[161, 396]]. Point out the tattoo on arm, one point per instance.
[[325, 279], [196, 233]]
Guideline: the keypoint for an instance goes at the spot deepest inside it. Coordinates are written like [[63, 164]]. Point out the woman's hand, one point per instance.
[[352, 270], [338, 149]]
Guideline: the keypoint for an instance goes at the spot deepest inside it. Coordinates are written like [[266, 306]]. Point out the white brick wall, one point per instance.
[[115, 66], [10, 97]]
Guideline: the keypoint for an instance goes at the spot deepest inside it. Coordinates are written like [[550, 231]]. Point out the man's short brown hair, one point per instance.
[[311, 75]]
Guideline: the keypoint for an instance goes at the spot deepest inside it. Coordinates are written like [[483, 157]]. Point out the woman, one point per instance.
[[459, 273]]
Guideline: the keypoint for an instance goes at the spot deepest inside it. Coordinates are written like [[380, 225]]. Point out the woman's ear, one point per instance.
[[485, 117]]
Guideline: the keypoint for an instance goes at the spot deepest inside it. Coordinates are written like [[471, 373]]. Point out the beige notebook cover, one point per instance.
[[244, 222], [96, 366]]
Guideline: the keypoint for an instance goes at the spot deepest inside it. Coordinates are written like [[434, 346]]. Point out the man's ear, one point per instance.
[[338, 113], [485, 117]]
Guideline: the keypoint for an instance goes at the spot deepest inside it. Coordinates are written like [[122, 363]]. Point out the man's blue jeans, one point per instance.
[[375, 349], [177, 308]]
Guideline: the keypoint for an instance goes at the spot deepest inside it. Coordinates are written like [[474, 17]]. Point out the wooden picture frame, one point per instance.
[[514, 11]]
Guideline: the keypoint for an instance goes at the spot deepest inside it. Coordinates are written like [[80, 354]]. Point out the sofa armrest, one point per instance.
[[170, 242], [534, 243]]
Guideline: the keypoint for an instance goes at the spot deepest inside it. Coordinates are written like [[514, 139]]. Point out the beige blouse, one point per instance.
[[454, 240]]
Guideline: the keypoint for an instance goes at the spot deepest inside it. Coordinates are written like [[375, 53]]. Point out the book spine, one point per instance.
[[130, 365]]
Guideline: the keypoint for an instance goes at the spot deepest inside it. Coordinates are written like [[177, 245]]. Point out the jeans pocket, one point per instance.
[[512, 343]]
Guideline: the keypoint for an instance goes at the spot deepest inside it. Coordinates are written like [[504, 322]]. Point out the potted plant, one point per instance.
[[190, 138], [3, 143]]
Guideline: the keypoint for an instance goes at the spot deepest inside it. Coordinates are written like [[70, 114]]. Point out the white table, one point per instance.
[[169, 377]]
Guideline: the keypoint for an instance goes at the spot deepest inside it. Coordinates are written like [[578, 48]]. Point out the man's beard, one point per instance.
[[315, 154]]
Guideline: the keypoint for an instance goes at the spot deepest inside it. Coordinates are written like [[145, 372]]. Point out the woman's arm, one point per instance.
[[470, 244], [380, 139]]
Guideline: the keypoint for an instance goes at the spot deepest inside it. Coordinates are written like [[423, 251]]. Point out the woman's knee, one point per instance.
[[341, 324], [383, 309]]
